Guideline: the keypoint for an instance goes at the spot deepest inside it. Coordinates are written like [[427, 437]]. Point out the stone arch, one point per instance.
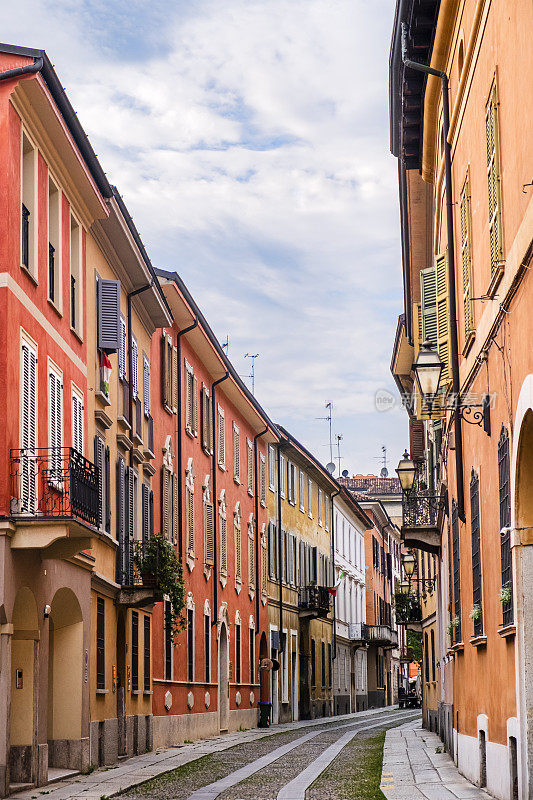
[[65, 676]]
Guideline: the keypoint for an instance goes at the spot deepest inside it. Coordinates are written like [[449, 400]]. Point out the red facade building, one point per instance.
[[210, 440]]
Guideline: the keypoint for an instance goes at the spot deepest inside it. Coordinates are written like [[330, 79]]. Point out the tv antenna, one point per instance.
[[225, 345], [383, 458], [329, 406], [253, 356], [338, 437]]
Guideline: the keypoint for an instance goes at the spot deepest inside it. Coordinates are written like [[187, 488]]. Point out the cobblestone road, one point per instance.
[[278, 767]]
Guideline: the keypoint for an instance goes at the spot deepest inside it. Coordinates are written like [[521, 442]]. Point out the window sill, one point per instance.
[[272, 488], [55, 307], [207, 451], [495, 280], [478, 641], [458, 648], [507, 631], [137, 440], [102, 692], [101, 417], [136, 692], [250, 493], [147, 692], [236, 480], [263, 504], [221, 467], [102, 398], [29, 273], [189, 433], [168, 409], [77, 334], [469, 341], [123, 422]]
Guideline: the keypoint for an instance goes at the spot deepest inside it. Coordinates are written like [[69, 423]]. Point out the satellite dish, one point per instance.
[[330, 467], [384, 472], [345, 473]]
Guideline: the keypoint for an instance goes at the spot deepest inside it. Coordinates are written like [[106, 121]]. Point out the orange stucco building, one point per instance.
[[467, 230]]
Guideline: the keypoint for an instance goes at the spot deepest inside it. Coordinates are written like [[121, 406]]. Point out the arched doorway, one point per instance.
[[223, 678], [65, 680], [264, 674], [24, 690]]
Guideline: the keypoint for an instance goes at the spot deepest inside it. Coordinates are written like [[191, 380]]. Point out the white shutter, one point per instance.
[[209, 543], [134, 367], [250, 466], [145, 512], [56, 426], [223, 546], [236, 454], [28, 493], [122, 349], [77, 423], [99, 457], [195, 406], [146, 385], [221, 439]]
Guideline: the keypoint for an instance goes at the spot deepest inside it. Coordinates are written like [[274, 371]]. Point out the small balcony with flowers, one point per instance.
[[55, 503], [421, 507]]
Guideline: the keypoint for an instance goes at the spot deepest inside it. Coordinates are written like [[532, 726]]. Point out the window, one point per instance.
[[323, 664], [145, 508], [236, 454], [135, 651], [237, 652], [250, 466], [262, 479], [170, 374], [54, 244], [466, 256], [207, 422], [251, 654], [443, 316], [327, 508], [77, 421], [301, 488], [100, 643], [207, 647], [223, 535], [433, 664], [476, 553], [272, 551], [494, 182], [169, 501], [189, 509], [237, 531], [329, 665], [134, 367], [251, 553], [320, 506], [191, 401], [285, 669], [146, 385], [264, 564], [291, 487], [209, 534], [55, 425], [504, 481], [146, 653], [310, 498], [168, 640], [29, 216], [221, 438], [272, 467], [122, 350], [426, 658], [76, 303], [190, 645], [313, 663], [108, 313], [282, 476], [456, 573]]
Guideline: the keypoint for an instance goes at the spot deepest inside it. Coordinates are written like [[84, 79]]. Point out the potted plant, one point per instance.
[[506, 594], [475, 614], [158, 565]]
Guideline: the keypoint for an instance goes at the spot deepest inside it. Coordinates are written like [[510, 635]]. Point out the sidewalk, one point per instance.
[[109, 781], [414, 770]]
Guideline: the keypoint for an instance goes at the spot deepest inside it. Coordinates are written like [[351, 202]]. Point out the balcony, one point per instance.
[[382, 635], [314, 602], [54, 500], [138, 588], [420, 521], [408, 611]]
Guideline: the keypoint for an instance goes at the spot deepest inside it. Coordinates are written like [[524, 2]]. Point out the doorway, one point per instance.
[[24, 695], [482, 759], [223, 679], [513, 767], [294, 682]]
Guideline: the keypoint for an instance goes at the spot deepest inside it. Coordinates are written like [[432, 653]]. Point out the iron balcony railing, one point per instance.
[[408, 611], [373, 634], [54, 482], [420, 510], [314, 600]]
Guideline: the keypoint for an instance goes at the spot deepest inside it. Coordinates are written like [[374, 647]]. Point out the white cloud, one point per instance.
[[252, 148]]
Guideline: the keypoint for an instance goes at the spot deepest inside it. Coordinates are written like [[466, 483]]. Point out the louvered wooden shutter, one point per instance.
[[223, 546], [121, 553], [77, 423], [122, 349], [145, 512], [195, 406], [189, 500], [99, 457], [107, 489], [134, 368], [166, 500], [108, 304], [466, 256], [236, 454], [428, 295], [416, 438], [443, 317], [205, 419], [175, 521], [166, 368], [221, 440], [494, 184], [151, 512], [263, 480], [28, 489], [56, 426], [174, 380], [237, 551], [188, 401], [301, 549], [209, 539], [271, 551], [251, 560], [130, 522], [146, 385], [250, 466], [264, 567]]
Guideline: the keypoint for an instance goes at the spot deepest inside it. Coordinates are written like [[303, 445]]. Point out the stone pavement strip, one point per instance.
[[110, 781], [414, 770]]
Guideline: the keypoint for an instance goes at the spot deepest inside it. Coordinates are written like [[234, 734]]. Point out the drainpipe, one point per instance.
[[333, 561], [130, 356], [256, 511], [29, 69], [280, 556], [214, 616], [454, 350], [404, 222], [179, 436]]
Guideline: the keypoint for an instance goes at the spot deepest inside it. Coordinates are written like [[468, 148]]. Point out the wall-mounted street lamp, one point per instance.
[[406, 471], [410, 568], [428, 370]]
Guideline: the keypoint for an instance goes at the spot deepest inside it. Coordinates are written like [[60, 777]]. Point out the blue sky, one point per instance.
[[249, 139]]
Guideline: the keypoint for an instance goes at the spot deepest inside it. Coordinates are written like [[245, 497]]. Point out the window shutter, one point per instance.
[[108, 304], [146, 385], [188, 400], [221, 439], [264, 568], [166, 503], [250, 466], [122, 350], [236, 454], [466, 256], [237, 528], [494, 184], [428, 294], [77, 423], [175, 521], [174, 380], [195, 406], [251, 561], [129, 520], [121, 565], [263, 479], [209, 538], [205, 419], [107, 484], [302, 562], [151, 512], [165, 372], [443, 317], [189, 499], [271, 551], [223, 546], [99, 458], [134, 368], [146, 512]]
